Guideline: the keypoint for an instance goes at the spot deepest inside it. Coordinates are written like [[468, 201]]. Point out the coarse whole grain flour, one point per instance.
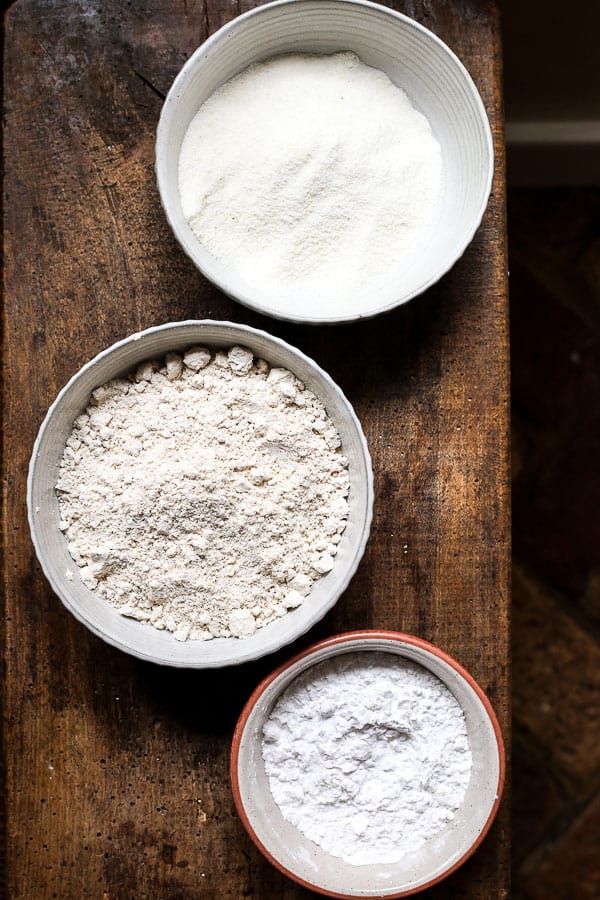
[[204, 493], [367, 754], [310, 175]]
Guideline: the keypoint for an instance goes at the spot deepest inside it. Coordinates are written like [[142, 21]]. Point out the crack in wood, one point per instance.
[[149, 84], [205, 22]]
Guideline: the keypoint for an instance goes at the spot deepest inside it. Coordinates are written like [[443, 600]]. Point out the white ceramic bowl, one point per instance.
[[94, 611], [417, 61], [298, 857]]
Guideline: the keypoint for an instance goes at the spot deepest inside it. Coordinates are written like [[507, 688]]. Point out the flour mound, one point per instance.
[[310, 175], [204, 494], [367, 755]]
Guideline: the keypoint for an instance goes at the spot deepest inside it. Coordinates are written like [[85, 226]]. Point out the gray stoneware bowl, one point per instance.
[[435, 81], [302, 860], [96, 613]]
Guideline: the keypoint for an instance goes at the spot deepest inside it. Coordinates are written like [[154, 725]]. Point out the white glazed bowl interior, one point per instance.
[[303, 859], [94, 611], [417, 61]]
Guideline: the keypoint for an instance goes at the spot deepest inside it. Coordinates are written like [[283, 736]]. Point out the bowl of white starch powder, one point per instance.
[[200, 494], [371, 765], [323, 160]]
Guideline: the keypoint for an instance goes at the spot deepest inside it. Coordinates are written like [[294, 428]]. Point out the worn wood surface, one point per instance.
[[116, 771]]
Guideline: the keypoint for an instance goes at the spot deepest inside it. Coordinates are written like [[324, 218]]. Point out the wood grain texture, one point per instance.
[[116, 770]]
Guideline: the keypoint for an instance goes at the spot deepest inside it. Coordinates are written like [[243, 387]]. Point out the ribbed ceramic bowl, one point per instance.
[[417, 61], [298, 857], [94, 611]]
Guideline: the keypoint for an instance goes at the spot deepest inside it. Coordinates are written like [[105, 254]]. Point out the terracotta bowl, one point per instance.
[[302, 860]]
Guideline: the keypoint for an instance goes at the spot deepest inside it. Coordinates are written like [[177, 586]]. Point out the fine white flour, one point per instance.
[[309, 175], [367, 755], [204, 494]]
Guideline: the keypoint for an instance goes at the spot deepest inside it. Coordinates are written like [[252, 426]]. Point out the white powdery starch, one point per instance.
[[309, 175], [204, 494], [367, 755]]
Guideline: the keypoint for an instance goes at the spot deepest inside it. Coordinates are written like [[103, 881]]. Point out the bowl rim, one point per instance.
[[58, 586], [348, 638], [161, 153]]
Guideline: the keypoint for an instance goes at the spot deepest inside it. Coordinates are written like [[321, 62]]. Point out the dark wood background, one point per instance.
[[116, 770]]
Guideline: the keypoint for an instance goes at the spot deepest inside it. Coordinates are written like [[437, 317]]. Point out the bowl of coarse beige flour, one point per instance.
[[371, 765], [323, 160], [200, 494]]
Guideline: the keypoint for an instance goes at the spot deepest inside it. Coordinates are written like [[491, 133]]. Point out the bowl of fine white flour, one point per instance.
[[324, 160], [200, 494], [371, 765]]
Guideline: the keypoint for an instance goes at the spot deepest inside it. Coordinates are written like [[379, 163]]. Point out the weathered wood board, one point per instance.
[[116, 771]]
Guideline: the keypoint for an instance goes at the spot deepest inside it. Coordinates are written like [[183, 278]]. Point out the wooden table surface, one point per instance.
[[116, 770]]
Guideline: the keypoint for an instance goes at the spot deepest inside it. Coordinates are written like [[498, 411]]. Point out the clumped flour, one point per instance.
[[368, 755], [309, 175], [204, 493]]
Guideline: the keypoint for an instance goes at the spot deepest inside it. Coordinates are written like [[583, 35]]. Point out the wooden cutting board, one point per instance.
[[116, 770]]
